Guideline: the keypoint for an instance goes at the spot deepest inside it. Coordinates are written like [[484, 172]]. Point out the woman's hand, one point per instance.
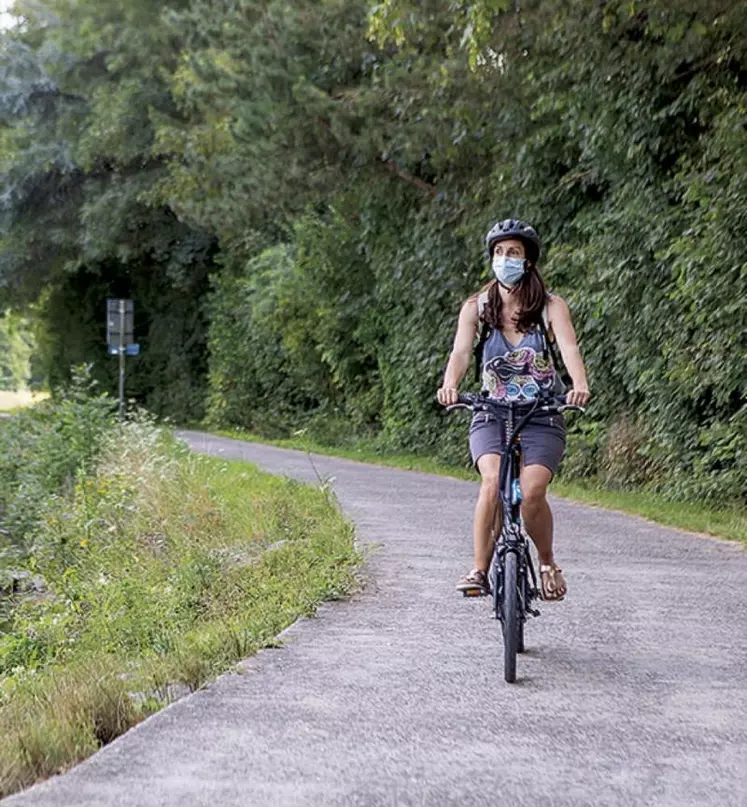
[[578, 396], [447, 396]]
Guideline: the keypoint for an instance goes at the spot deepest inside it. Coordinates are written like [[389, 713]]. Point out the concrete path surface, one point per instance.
[[633, 690]]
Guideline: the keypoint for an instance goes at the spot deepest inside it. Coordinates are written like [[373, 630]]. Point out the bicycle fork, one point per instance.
[[527, 590]]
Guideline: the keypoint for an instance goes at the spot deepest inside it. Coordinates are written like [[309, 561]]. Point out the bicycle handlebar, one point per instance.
[[480, 403]]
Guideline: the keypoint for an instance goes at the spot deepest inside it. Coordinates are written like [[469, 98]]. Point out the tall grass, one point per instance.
[[152, 574]]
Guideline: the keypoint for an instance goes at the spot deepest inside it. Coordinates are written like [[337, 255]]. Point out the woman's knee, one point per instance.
[[534, 482], [533, 494], [489, 483], [490, 472]]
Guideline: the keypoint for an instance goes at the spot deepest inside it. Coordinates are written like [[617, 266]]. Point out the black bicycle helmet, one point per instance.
[[514, 228]]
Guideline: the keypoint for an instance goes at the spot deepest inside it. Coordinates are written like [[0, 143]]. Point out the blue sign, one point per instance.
[[130, 350]]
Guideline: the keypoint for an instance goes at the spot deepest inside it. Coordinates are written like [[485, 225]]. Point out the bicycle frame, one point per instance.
[[511, 577], [511, 536]]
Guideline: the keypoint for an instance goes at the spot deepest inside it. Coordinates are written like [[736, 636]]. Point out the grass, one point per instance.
[[161, 571], [718, 522], [361, 452]]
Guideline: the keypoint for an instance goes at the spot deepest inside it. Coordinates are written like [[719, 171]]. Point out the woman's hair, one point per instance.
[[532, 294]]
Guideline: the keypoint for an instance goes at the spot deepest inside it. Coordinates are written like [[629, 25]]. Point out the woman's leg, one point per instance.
[[538, 517], [535, 510], [487, 509]]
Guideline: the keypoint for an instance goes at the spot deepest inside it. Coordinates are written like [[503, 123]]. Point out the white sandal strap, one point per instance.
[[550, 568]]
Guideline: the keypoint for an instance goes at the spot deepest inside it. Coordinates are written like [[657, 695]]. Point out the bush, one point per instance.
[[153, 574], [584, 441], [45, 449], [626, 458]]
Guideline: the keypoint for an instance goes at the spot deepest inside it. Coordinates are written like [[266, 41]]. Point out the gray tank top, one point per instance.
[[516, 372]]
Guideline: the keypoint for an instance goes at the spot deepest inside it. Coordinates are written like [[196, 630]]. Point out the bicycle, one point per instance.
[[512, 579]]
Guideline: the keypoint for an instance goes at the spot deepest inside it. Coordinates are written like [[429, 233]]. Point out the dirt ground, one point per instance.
[[12, 400]]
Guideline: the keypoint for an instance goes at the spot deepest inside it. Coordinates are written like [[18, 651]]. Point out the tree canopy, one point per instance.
[[296, 195]]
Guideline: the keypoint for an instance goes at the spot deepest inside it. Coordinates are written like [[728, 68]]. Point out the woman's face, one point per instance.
[[510, 248]]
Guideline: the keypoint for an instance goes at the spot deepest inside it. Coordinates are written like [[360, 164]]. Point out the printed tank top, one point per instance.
[[516, 373]]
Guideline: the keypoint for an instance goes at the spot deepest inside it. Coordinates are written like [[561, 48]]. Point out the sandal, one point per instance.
[[552, 582], [475, 580]]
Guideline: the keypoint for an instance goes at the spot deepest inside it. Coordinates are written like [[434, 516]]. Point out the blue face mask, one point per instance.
[[509, 271]]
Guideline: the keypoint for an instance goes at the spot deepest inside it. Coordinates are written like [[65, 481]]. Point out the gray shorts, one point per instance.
[[542, 440]]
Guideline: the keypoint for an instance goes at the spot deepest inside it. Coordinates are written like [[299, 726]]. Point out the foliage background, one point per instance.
[[296, 194]]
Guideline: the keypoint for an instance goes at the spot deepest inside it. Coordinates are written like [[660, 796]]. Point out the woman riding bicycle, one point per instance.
[[516, 367]]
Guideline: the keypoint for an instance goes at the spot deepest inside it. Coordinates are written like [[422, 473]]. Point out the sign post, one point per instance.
[[122, 304], [120, 338]]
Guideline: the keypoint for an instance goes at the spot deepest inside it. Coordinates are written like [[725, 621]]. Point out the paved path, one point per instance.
[[633, 691]]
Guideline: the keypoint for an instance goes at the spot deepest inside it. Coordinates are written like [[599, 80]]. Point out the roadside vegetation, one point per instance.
[[721, 522], [132, 572]]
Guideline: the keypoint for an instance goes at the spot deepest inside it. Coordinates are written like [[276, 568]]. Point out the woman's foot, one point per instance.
[[552, 582], [475, 580]]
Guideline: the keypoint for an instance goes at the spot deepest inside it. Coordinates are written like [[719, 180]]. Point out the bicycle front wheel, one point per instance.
[[510, 616]]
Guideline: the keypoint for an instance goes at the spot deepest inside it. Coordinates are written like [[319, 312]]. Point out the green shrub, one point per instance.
[[45, 449], [583, 447], [156, 572]]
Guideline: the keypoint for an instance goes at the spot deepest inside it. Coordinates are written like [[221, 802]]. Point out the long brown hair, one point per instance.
[[532, 294]]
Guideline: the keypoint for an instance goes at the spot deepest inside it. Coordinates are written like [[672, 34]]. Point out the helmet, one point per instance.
[[514, 228]]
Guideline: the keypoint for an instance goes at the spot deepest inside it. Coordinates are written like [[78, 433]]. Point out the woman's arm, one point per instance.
[[559, 317], [461, 354]]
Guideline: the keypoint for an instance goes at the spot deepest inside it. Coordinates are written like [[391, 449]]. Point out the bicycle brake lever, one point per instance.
[[561, 408]]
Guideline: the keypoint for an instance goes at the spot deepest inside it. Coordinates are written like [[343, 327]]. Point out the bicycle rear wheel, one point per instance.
[[510, 616]]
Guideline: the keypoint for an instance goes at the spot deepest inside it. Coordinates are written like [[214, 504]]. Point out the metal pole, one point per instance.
[[121, 358]]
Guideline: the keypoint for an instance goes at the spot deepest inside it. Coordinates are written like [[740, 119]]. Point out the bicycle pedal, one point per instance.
[[474, 592], [534, 611]]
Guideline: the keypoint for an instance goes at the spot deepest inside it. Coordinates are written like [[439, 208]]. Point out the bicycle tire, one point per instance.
[[510, 615], [523, 600], [496, 588]]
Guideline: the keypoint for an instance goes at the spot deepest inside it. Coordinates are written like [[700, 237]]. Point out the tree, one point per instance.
[[81, 86]]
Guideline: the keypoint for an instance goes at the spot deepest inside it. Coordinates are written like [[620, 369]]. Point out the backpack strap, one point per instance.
[[549, 346], [482, 301]]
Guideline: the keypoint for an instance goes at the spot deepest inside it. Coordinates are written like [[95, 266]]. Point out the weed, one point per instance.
[[156, 576]]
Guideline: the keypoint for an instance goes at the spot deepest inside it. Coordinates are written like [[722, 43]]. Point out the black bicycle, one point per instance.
[[511, 577]]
